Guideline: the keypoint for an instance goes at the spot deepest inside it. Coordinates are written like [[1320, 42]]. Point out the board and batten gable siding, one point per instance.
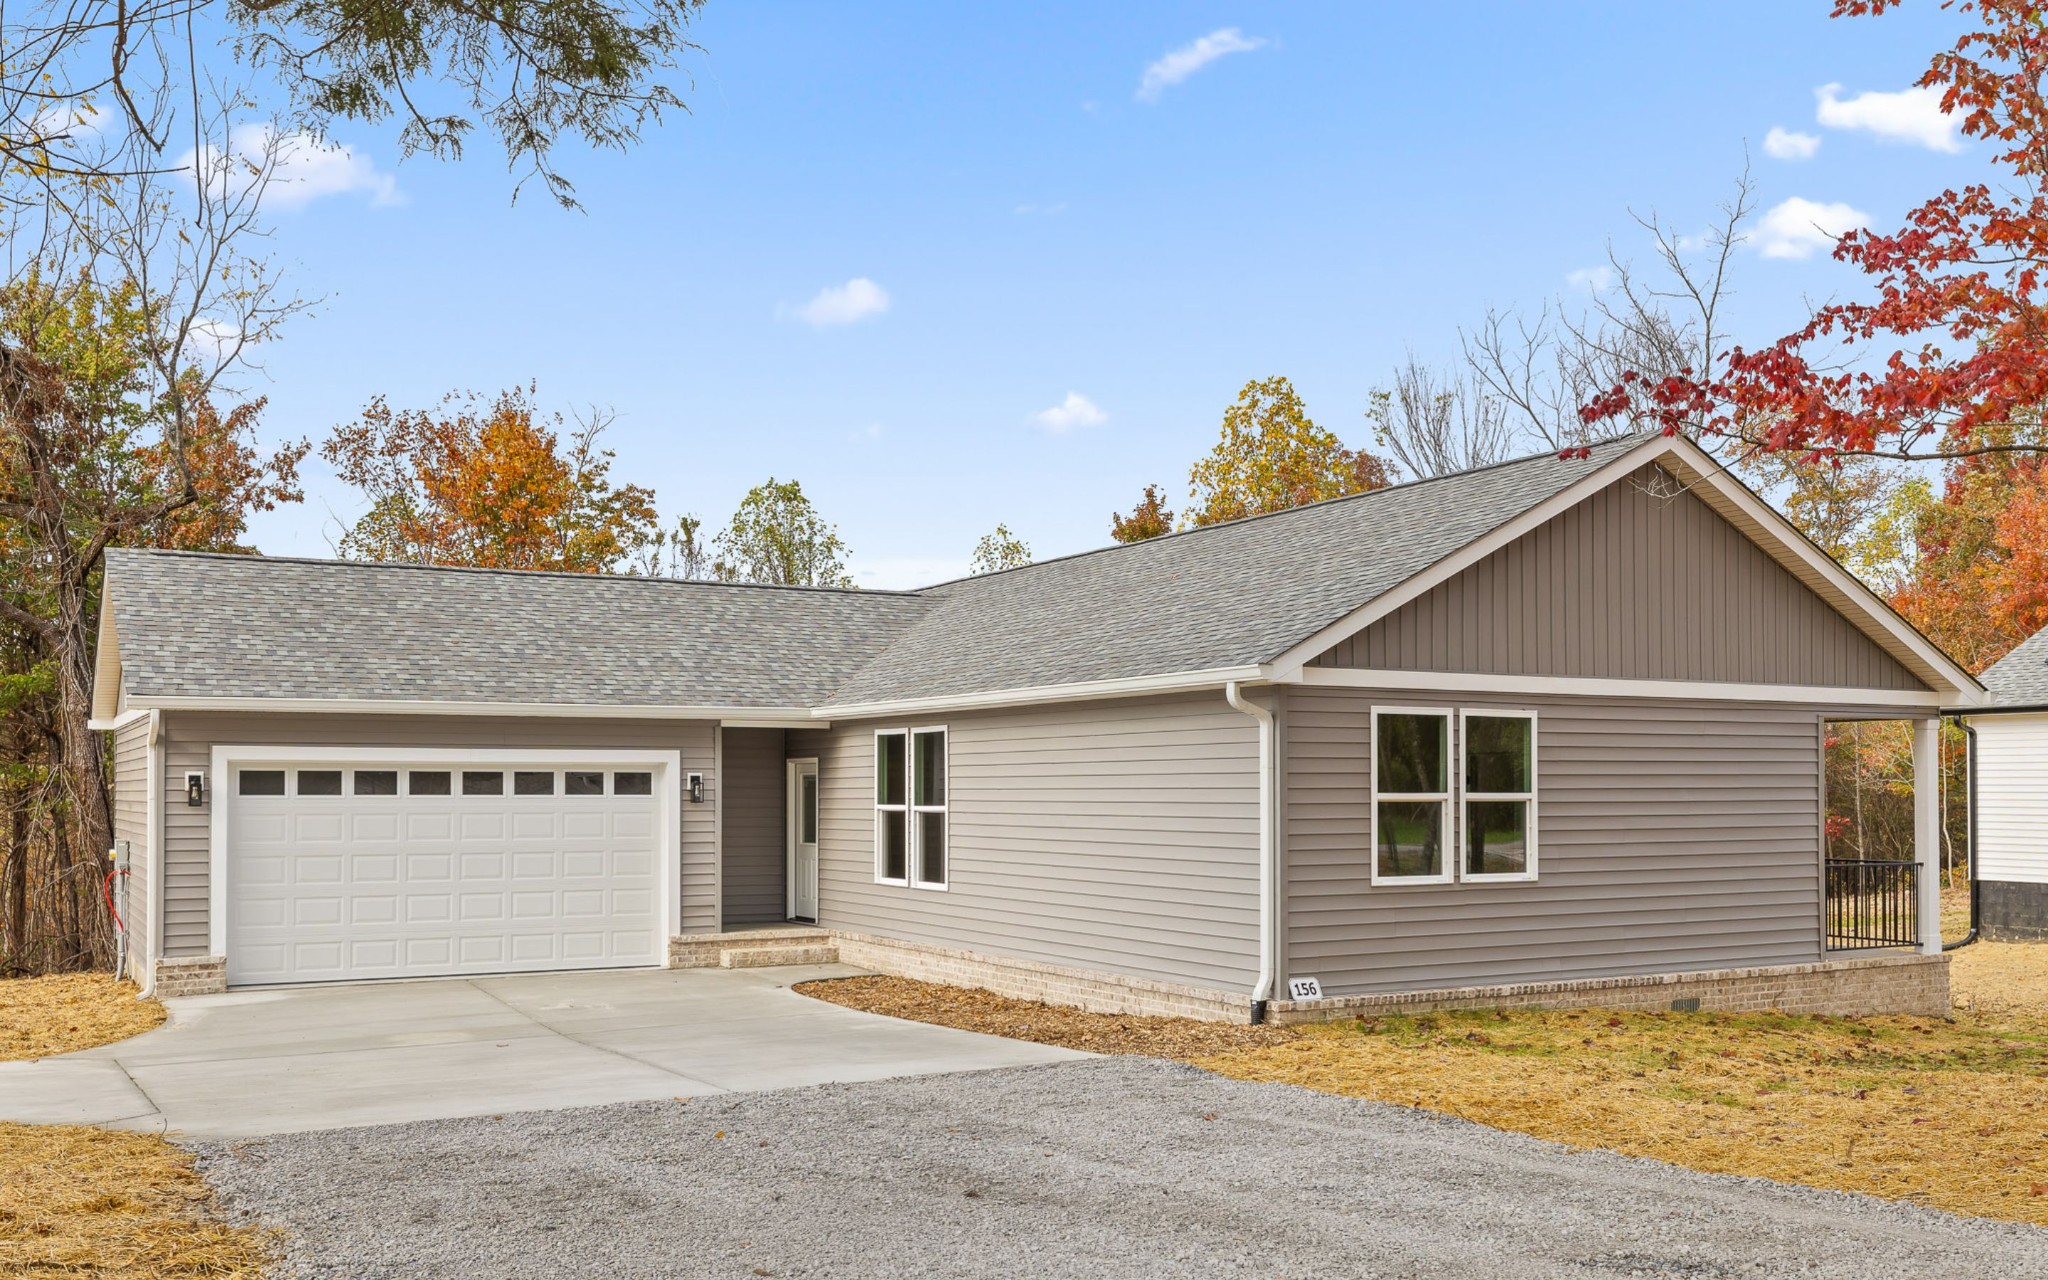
[[1119, 836], [190, 736], [131, 823], [1672, 836], [751, 826], [2012, 797], [1641, 581]]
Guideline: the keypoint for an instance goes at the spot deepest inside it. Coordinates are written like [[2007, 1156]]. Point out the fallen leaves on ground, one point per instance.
[[1948, 1113], [78, 1201], [69, 1011]]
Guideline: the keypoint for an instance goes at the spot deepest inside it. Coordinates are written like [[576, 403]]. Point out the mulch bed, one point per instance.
[[971, 1009]]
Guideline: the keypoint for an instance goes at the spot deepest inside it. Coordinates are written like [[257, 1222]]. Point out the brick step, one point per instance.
[[766, 957]]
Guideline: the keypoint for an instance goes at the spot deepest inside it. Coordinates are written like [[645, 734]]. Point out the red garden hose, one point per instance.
[[119, 923]]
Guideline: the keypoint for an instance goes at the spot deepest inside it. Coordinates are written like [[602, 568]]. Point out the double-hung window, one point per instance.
[[1500, 794], [911, 785], [928, 802], [1411, 803], [892, 806]]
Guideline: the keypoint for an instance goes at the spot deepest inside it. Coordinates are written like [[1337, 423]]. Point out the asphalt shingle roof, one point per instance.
[[2020, 678], [1225, 596], [192, 625], [197, 625]]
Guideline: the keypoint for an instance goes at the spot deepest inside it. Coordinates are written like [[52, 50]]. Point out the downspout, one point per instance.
[[153, 842], [1269, 894], [1970, 830]]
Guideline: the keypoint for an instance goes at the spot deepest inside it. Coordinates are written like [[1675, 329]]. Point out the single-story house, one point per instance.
[[1545, 732], [2011, 796]]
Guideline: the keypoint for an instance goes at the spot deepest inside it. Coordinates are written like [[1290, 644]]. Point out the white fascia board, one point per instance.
[[1079, 691], [773, 722], [121, 721], [590, 711], [1586, 687], [1776, 535], [1820, 571], [1290, 665]]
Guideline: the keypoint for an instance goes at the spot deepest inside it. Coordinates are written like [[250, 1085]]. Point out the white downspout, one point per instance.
[[1269, 894], [153, 846]]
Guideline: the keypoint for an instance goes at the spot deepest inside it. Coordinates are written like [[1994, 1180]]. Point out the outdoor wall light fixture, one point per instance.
[[696, 788], [195, 789]]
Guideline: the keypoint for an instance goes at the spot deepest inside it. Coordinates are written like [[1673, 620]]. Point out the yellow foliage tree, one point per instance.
[[1273, 456]]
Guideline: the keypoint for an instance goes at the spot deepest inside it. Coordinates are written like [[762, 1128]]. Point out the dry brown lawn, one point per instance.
[[1949, 1113], [78, 1201], [69, 1011]]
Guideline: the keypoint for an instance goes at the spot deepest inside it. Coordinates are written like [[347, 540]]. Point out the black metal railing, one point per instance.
[[1872, 903]]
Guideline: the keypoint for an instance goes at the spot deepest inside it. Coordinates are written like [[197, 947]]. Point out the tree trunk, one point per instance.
[[88, 808]]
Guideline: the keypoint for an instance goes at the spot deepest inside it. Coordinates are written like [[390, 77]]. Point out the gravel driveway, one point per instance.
[[1110, 1167]]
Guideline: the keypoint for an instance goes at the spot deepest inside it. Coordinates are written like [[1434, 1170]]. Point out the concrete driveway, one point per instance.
[[285, 1061]]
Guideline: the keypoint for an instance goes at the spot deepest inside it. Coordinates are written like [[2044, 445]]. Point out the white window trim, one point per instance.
[[1448, 799], [916, 836], [875, 793], [1465, 796]]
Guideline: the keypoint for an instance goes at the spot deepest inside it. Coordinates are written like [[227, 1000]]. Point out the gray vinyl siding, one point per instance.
[[751, 826], [131, 823], [1640, 581], [1671, 836], [190, 736], [1119, 836]]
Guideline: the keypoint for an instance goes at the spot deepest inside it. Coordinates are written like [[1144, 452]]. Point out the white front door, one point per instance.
[[803, 839], [403, 868]]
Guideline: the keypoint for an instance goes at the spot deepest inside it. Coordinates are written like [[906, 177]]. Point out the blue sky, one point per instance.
[[1314, 191]]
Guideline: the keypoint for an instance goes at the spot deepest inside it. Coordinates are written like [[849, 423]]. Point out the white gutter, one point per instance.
[[1269, 889], [1077, 691]]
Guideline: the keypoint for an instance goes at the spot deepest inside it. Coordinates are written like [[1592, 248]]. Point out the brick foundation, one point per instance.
[[1051, 983], [1893, 983], [2012, 911], [707, 950], [1907, 984], [191, 976]]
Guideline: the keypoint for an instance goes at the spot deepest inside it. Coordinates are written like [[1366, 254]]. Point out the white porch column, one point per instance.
[[1927, 830]]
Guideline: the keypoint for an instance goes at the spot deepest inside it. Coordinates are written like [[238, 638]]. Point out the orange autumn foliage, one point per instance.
[[491, 484]]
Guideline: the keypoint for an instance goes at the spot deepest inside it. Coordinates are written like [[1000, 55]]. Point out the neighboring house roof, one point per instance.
[[1243, 600], [1226, 596], [2020, 678], [196, 626]]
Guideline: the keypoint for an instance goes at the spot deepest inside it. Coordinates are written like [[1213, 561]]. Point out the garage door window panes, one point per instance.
[[632, 784], [260, 782], [531, 783], [575, 783], [482, 783], [428, 782], [376, 782], [319, 782]]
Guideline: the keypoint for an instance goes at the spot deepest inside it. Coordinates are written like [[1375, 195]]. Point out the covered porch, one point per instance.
[[1883, 854], [767, 831]]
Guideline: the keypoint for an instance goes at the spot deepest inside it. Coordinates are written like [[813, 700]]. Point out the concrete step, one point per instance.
[[764, 957]]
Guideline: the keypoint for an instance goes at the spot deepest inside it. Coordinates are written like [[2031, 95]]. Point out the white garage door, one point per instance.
[[396, 868]]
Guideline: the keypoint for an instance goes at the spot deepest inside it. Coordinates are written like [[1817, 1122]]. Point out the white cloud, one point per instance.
[[302, 168], [1190, 58], [1787, 144], [1598, 279], [847, 303], [1076, 410], [1910, 115], [1797, 227]]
